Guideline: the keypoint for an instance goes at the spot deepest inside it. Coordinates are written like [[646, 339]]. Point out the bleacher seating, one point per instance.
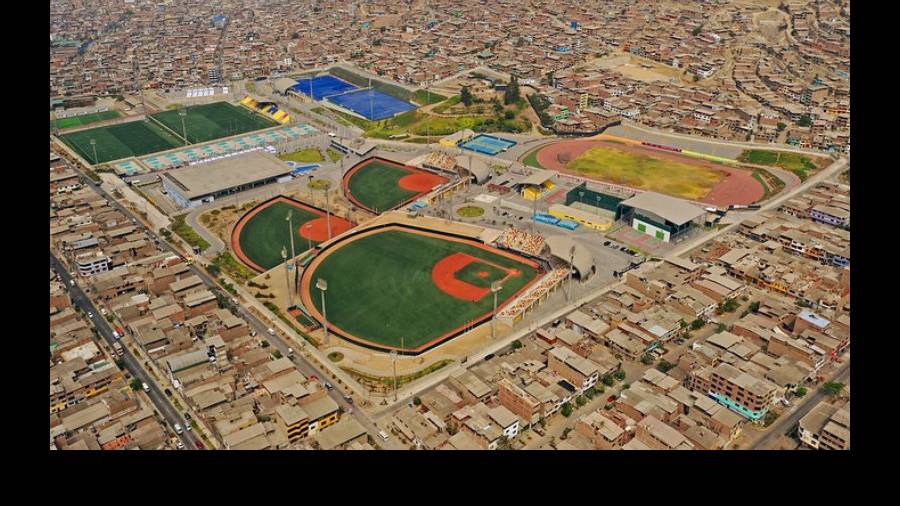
[[525, 242], [534, 294]]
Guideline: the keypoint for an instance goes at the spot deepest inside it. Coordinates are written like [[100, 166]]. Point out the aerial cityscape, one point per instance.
[[448, 225]]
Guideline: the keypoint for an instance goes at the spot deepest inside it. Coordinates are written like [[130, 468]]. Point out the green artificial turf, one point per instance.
[[213, 121], [134, 138], [85, 119]]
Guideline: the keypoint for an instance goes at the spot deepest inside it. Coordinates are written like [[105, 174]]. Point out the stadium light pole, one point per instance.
[[291, 233], [394, 365], [322, 285], [287, 276], [183, 113], [496, 286], [571, 270], [308, 226], [94, 147], [328, 211]]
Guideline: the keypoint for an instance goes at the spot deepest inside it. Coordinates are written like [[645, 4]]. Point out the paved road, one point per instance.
[[781, 425], [132, 365], [303, 365]]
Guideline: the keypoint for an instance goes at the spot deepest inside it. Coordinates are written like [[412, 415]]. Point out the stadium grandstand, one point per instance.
[[269, 109]]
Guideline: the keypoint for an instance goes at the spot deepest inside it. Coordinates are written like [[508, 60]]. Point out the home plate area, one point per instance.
[[466, 277]]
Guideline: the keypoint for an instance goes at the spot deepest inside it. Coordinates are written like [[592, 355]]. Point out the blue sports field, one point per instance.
[[372, 104], [487, 144], [322, 86]]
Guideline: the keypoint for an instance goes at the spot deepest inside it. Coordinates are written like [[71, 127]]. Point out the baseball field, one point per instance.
[[213, 121], [400, 286], [259, 236], [379, 185], [134, 138]]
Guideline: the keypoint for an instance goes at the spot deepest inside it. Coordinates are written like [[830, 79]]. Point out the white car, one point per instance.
[[383, 435], [271, 332], [146, 387], [179, 445], [71, 282], [90, 315]]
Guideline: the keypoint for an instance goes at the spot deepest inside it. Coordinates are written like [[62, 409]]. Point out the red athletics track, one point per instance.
[[317, 232], [738, 187]]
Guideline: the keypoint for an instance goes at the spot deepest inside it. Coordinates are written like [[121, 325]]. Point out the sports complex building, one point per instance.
[[199, 184], [665, 218]]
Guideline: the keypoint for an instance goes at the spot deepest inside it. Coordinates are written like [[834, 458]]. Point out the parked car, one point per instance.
[[348, 399], [611, 398], [178, 429], [606, 243], [383, 435], [168, 392], [328, 386], [271, 332], [90, 314], [146, 387], [199, 445], [179, 445]]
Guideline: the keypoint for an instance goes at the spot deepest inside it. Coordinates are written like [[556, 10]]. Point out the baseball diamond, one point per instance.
[[398, 283], [378, 184], [260, 234]]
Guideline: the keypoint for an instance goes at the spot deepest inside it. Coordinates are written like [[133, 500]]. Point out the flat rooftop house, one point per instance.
[[201, 183]]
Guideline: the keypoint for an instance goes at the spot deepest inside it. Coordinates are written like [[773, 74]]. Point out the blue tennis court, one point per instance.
[[322, 86], [372, 104], [487, 144]]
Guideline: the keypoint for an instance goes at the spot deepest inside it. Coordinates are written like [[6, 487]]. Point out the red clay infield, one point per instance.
[[420, 181], [444, 276], [738, 187], [317, 229]]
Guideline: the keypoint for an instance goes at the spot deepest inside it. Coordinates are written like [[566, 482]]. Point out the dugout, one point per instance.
[[666, 218]]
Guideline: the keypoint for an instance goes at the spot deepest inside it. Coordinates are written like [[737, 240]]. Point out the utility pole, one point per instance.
[[322, 285], [328, 211], [394, 365], [571, 270], [183, 113]]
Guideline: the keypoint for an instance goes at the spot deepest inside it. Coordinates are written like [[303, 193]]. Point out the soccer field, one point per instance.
[[261, 233], [380, 185], [401, 282], [135, 138], [85, 119], [213, 121]]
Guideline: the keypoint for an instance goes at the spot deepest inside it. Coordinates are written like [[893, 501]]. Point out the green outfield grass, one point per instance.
[[799, 164], [640, 171], [85, 119], [310, 155], [266, 233], [380, 288], [375, 185], [134, 138], [213, 121]]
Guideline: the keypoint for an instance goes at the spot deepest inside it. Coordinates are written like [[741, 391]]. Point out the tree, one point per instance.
[[754, 306], [664, 366], [721, 328], [509, 114], [580, 401], [465, 96], [277, 354], [696, 78], [608, 380], [619, 375], [833, 389], [511, 95], [646, 359], [120, 363], [566, 410], [516, 344], [805, 120], [590, 392], [417, 401], [800, 392], [498, 108], [697, 324], [214, 269], [136, 384], [696, 31], [781, 126]]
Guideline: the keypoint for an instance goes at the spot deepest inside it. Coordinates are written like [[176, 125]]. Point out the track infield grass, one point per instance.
[[679, 179], [134, 138], [797, 163], [380, 287]]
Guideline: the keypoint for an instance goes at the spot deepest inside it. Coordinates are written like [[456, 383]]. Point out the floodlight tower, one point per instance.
[[287, 277], [94, 147], [322, 285], [183, 113], [496, 286]]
